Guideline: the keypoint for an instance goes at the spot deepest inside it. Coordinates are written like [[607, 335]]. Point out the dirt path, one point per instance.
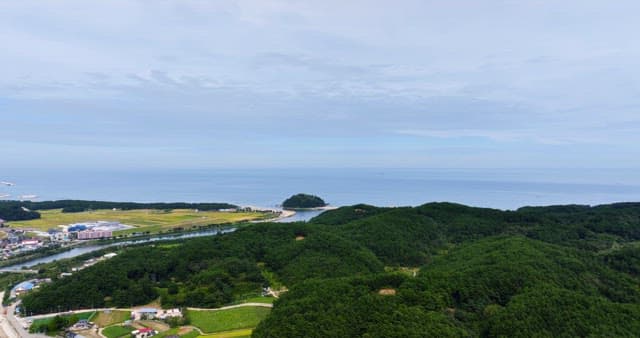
[[232, 307]]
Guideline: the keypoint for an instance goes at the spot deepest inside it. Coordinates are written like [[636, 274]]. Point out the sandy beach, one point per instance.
[[284, 214]]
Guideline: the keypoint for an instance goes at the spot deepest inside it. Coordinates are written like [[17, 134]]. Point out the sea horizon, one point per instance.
[[505, 189]]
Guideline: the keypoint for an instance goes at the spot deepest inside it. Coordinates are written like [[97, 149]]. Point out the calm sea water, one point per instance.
[[504, 189]]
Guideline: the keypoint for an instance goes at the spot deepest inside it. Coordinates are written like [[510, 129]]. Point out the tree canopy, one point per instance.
[[440, 269], [303, 201]]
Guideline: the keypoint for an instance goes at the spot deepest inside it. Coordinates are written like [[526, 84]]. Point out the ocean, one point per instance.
[[493, 188]]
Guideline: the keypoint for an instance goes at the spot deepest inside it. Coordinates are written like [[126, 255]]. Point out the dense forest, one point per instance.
[[303, 201], [440, 269], [208, 272], [14, 210], [10, 211]]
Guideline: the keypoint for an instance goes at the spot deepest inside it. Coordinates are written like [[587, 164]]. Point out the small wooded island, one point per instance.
[[303, 201]]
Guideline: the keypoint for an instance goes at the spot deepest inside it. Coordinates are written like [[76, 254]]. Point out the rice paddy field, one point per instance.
[[117, 331], [243, 333], [228, 320], [152, 221], [108, 318]]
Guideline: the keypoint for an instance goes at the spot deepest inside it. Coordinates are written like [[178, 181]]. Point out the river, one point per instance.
[[304, 215], [75, 252]]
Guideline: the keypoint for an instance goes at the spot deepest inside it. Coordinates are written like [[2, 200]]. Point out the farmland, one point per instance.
[[143, 220], [117, 331], [107, 318], [242, 333], [227, 320]]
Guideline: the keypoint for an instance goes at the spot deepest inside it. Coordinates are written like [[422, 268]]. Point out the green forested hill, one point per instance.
[[471, 291], [561, 271], [303, 201], [208, 272]]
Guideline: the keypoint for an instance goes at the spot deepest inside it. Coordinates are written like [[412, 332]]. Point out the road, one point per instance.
[[47, 315], [11, 326], [232, 307]]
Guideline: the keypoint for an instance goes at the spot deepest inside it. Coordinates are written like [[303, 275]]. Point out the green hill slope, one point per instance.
[[466, 293], [559, 271]]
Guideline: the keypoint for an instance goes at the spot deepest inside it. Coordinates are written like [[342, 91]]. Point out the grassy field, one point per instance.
[[117, 331], [83, 315], [265, 300], [104, 319], [181, 332], [243, 333], [227, 320], [143, 220]]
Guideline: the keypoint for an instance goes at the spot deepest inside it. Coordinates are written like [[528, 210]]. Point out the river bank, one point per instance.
[[82, 248], [95, 246]]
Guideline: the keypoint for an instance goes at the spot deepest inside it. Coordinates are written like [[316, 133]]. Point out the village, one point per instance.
[[142, 322], [19, 241], [32, 284]]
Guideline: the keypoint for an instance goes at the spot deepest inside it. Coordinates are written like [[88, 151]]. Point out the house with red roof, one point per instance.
[[144, 333]]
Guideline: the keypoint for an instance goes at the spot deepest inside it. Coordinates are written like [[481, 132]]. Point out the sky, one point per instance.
[[278, 83]]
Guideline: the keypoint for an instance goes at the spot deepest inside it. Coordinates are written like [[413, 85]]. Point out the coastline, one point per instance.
[[325, 208], [284, 214]]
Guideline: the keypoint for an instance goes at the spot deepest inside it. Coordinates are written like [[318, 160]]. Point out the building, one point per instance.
[[82, 324], [23, 288], [30, 242], [144, 333], [144, 313], [171, 313], [59, 236], [76, 228], [93, 234]]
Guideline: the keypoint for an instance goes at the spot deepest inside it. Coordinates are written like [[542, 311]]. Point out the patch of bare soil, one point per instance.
[[184, 330], [387, 292]]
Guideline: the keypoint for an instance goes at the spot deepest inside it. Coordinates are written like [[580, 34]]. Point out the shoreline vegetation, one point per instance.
[[143, 223], [142, 238], [49, 251]]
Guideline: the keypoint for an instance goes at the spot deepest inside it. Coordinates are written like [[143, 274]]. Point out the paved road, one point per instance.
[[6, 330], [11, 326], [128, 309], [47, 315], [232, 307]]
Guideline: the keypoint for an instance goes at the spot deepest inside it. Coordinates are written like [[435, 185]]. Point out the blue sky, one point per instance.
[[207, 84]]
